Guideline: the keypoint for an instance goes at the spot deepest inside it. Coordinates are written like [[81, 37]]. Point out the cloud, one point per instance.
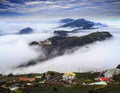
[[33, 3], [39, 2], [13, 54], [15, 49], [71, 7], [98, 56]]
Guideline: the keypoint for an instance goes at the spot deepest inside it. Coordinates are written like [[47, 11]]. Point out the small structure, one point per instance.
[[47, 42], [112, 72], [42, 82], [28, 84], [38, 77], [14, 87], [69, 76], [47, 76]]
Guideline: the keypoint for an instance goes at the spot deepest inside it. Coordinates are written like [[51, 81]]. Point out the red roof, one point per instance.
[[26, 79], [31, 79], [105, 79]]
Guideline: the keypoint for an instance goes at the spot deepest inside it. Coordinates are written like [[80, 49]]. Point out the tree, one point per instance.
[[55, 89], [118, 66], [10, 75]]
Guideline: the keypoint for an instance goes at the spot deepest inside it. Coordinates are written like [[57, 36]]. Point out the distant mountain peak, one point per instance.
[[83, 23], [67, 20], [27, 30]]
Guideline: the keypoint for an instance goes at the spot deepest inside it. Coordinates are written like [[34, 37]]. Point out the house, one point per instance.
[[98, 83], [31, 79], [26, 79], [112, 72], [106, 79], [69, 76]]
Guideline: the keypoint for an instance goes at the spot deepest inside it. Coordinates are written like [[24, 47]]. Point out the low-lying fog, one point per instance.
[[14, 50]]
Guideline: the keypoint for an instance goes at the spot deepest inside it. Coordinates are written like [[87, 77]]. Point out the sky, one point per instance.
[[95, 9]]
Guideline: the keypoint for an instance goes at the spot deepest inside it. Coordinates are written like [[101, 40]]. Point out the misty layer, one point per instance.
[[57, 45], [15, 50], [98, 56]]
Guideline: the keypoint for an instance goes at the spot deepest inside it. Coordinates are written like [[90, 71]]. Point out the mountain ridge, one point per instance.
[[57, 45]]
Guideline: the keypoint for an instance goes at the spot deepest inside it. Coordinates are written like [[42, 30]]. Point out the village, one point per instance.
[[55, 82]]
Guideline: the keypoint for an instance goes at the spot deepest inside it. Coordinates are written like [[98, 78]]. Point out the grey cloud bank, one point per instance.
[[49, 8]]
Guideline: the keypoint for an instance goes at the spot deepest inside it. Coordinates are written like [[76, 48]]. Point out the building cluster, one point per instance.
[[66, 78]]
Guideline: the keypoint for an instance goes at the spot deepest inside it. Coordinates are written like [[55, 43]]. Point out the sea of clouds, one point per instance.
[[15, 50]]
